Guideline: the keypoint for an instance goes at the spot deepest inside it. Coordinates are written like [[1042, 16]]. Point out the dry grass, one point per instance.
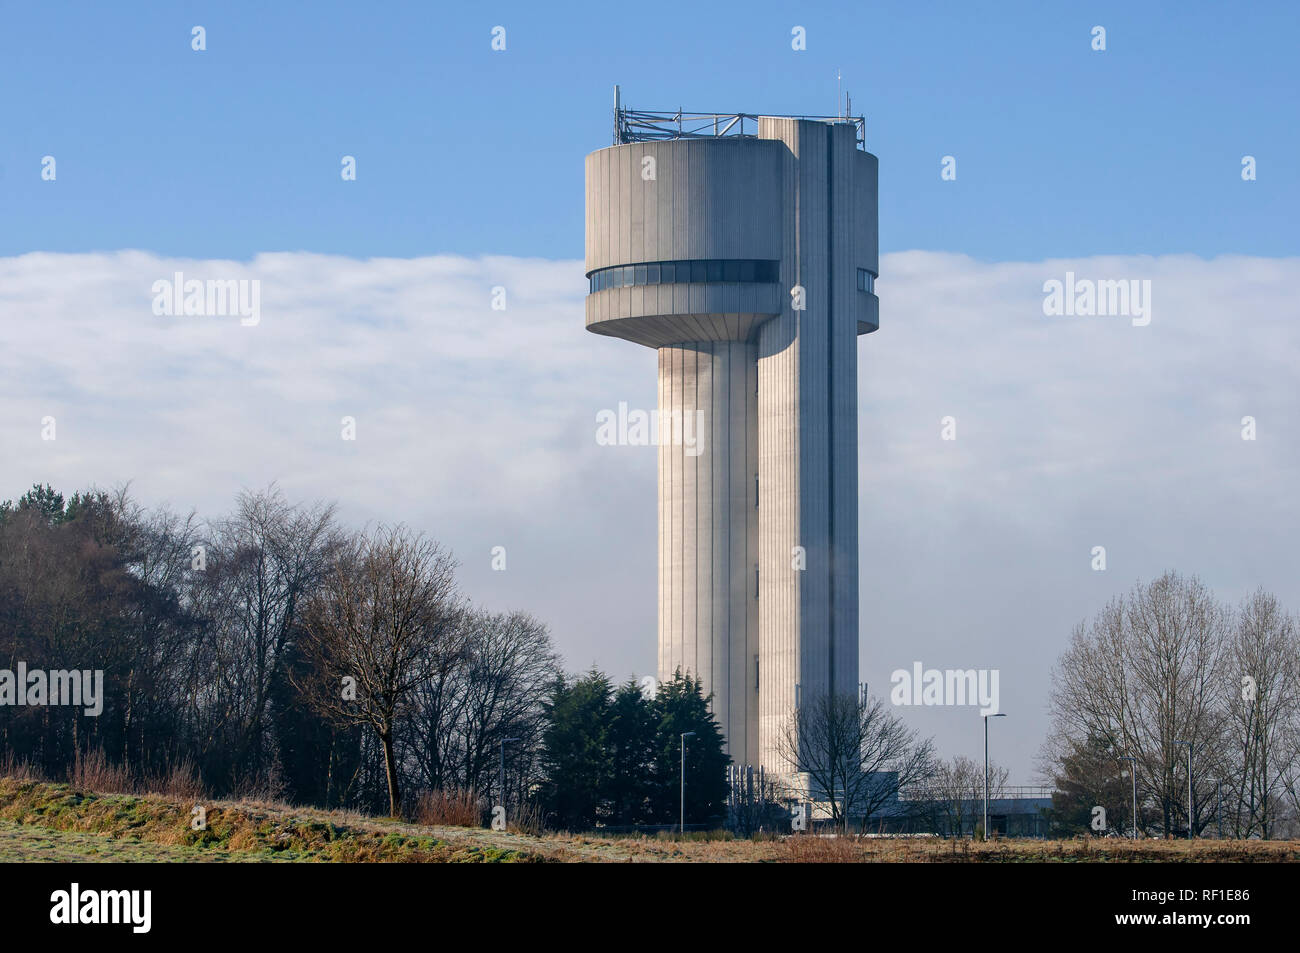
[[20, 769], [810, 849], [265, 830], [455, 808], [823, 850], [92, 771], [1075, 850], [182, 781], [528, 819]]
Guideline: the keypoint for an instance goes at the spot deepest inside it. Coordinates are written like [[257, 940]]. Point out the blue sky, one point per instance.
[[236, 150]]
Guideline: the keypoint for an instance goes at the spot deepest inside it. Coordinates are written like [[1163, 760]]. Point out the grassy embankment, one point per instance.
[[42, 821]]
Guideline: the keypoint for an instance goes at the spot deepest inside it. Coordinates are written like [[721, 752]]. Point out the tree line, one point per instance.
[[274, 653]]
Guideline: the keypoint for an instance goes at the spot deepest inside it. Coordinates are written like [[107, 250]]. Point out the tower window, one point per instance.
[[866, 280], [744, 271]]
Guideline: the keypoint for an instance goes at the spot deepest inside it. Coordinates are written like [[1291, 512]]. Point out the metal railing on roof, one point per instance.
[[638, 125], [1008, 792]]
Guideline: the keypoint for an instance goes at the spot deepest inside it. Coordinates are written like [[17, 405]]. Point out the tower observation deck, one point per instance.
[[744, 249]]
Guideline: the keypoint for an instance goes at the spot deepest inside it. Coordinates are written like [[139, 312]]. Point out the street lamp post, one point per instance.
[[681, 827], [1190, 823], [986, 769], [503, 769], [1133, 775], [1218, 805]]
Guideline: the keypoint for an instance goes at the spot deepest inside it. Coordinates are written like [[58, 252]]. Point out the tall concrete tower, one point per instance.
[[744, 250]]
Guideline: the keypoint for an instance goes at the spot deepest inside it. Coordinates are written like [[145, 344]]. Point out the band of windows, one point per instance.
[[744, 271], [866, 280]]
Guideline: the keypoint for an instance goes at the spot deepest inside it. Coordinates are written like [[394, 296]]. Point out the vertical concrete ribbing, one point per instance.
[[705, 502], [844, 410], [808, 437], [779, 344]]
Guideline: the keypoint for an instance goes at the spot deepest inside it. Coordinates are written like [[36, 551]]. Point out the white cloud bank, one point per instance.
[[478, 426]]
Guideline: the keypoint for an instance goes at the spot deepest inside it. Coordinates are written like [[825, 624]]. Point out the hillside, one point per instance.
[[54, 822]]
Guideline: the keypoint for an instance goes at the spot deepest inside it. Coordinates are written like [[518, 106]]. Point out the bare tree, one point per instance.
[[494, 690], [199, 629], [758, 801], [1289, 777], [440, 705], [510, 668], [384, 621], [856, 753], [263, 562], [1145, 675], [1262, 697], [953, 794], [158, 550]]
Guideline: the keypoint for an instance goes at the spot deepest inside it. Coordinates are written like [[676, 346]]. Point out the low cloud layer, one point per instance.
[[479, 426]]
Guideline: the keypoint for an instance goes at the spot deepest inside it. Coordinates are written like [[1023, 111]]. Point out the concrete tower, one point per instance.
[[744, 249]]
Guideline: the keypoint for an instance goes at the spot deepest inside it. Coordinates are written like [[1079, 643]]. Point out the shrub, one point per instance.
[[20, 769], [453, 808], [182, 782], [528, 818], [92, 771]]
